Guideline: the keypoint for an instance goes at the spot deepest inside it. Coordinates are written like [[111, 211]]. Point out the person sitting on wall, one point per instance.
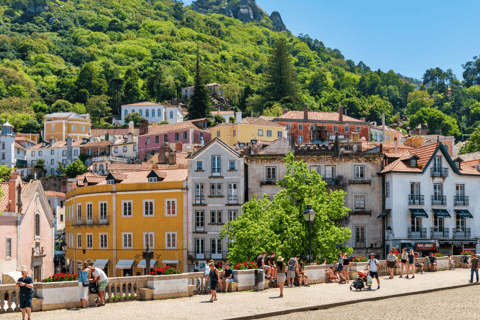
[[226, 278], [418, 264], [432, 264]]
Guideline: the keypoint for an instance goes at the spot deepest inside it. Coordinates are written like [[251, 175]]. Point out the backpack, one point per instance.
[[291, 264]]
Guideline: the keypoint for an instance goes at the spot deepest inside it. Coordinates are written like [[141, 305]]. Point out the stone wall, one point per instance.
[[54, 183]]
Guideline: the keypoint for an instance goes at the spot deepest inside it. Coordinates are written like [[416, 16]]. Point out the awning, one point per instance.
[[463, 214], [143, 263], [124, 264], [101, 263], [385, 213], [418, 213], [170, 261], [441, 213]]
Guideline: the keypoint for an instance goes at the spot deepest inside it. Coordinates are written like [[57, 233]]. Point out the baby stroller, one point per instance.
[[360, 281]]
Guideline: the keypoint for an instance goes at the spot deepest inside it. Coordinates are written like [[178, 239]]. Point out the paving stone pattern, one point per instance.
[[249, 303]]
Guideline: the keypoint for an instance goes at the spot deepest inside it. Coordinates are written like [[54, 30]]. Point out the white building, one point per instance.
[[431, 201], [226, 115], [151, 111], [213, 88], [53, 152], [13, 149]]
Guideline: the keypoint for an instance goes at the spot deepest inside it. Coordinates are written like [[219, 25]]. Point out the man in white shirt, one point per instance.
[[373, 264], [101, 278]]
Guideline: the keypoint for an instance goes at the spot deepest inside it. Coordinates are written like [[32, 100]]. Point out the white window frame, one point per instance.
[[148, 202], [82, 128], [166, 206], [151, 240], [79, 241], [271, 175], [279, 134], [218, 245], [300, 139], [123, 240], [355, 201], [79, 210], [232, 215], [199, 166], [100, 213], [359, 175], [152, 179], [103, 240], [8, 255], [89, 245], [300, 127], [269, 133], [230, 165], [167, 234], [123, 209], [260, 132], [387, 189], [53, 127], [74, 128], [89, 215], [199, 244], [148, 140], [124, 148]]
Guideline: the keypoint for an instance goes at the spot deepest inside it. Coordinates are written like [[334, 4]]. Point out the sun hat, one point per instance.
[[280, 259]]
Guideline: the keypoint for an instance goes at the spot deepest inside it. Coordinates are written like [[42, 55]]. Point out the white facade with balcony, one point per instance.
[[151, 111], [437, 204]]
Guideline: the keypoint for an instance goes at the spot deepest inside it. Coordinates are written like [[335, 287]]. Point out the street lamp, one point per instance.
[[309, 216]]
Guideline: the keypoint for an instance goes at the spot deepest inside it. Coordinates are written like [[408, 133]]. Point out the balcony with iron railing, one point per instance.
[[269, 181], [199, 200], [460, 201], [207, 255], [439, 233], [416, 200], [417, 233], [232, 199], [360, 244], [199, 227], [94, 221], [439, 200], [439, 172], [465, 233], [333, 181]]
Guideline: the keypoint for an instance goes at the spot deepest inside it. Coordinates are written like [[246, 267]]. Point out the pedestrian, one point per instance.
[[227, 277], [340, 265], [207, 272], [391, 262], [451, 263], [373, 264], [346, 267], [213, 277], [261, 264], [281, 269], [26, 292], [270, 261], [432, 262], [302, 275], [411, 263], [292, 270], [418, 264], [101, 278], [83, 283], [465, 261], [474, 263], [403, 262]]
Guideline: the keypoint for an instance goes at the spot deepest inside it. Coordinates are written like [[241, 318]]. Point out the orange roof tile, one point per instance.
[[317, 116], [141, 176], [142, 104], [54, 194], [58, 144], [172, 127], [5, 188], [261, 122]]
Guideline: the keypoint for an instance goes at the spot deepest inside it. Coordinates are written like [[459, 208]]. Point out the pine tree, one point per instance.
[[200, 103], [281, 76]]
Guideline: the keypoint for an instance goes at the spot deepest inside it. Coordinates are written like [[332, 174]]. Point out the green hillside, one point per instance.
[[92, 56]]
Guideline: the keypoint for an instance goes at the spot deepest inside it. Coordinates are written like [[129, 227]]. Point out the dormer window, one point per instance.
[[413, 162], [458, 161], [152, 179], [111, 181]]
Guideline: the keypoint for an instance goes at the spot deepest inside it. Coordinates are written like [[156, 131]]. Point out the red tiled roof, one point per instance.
[[114, 167], [142, 104], [81, 177], [316, 116], [96, 144], [5, 188], [261, 122], [18, 145], [186, 125], [58, 144], [113, 132], [54, 194], [94, 179], [222, 112], [141, 176]]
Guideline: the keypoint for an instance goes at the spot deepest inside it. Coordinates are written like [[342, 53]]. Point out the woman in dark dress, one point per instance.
[[213, 277]]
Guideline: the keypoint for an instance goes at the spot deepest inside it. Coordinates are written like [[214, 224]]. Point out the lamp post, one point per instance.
[[309, 216]]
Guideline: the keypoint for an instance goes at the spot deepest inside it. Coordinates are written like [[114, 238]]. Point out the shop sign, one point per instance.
[[424, 246]]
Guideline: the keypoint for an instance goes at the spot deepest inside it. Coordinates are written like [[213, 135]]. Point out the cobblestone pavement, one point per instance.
[[449, 304], [249, 303]]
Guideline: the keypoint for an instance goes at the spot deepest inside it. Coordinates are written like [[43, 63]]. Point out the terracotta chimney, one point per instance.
[[12, 192], [284, 111], [305, 112], [340, 113]]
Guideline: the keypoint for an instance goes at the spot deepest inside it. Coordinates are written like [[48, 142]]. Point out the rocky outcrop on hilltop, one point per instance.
[[243, 10]]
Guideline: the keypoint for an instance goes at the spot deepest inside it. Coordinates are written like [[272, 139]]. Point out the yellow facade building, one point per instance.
[[247, 130], [112, 220], [61, 125]]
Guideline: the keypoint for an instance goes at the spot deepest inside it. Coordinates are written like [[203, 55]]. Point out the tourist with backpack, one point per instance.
[[292, 270], [373, 264]]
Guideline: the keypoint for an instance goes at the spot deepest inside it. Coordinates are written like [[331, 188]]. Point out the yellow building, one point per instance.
[[61, 125], [111, 220], [247, 130]]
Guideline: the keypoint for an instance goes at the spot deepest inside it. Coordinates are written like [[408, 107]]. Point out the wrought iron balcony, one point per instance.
[[416, 200], [439, 172], [439, 200], [200, 227], [199, 200], [232, 199], [333, 181], [94, 221], [465, 233], [460, 201], [360, 244], [439, 233], [417, 233]]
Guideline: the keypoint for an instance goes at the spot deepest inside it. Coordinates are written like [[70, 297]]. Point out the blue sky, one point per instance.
[[407, 36]]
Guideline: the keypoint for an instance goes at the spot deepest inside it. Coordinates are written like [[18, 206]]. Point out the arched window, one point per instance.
[[171, 114], [159, 113], [133, 110], [141, 113], [37, 225], [153, 113], [126, 112], [147, 113]]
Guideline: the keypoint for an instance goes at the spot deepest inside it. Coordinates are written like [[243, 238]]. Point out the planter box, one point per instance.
[[146, 294]]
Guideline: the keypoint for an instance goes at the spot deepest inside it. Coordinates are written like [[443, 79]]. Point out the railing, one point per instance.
[[361, 212], [232, 199], [416, 200], [271, 181], [207, 255], [333, 181], [439, 172], [439, 200], [362, 244], [197, 279], [199, 228], [90, 222], [199, 199], [460, 201], [462, 234], [360, 181], [439, 233], [109, 158], [124, 289], [9, 299], [417, 233]]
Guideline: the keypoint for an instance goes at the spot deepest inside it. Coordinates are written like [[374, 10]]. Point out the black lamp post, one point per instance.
[[309, 216]]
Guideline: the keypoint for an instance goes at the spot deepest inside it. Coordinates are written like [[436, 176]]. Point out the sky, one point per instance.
[[406, 36]]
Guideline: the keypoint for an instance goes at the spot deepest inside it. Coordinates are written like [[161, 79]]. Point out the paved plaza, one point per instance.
[[249, 303]]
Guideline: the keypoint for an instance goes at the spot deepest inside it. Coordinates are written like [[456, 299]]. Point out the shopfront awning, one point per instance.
[[463, 214], [143, 263], [385, 213], [170, 261], [124, 264], [101, 263], [418, 213], [441, 213]]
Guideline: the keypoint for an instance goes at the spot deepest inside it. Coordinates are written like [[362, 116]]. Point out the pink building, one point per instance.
[[26, 228], [182, 133]]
